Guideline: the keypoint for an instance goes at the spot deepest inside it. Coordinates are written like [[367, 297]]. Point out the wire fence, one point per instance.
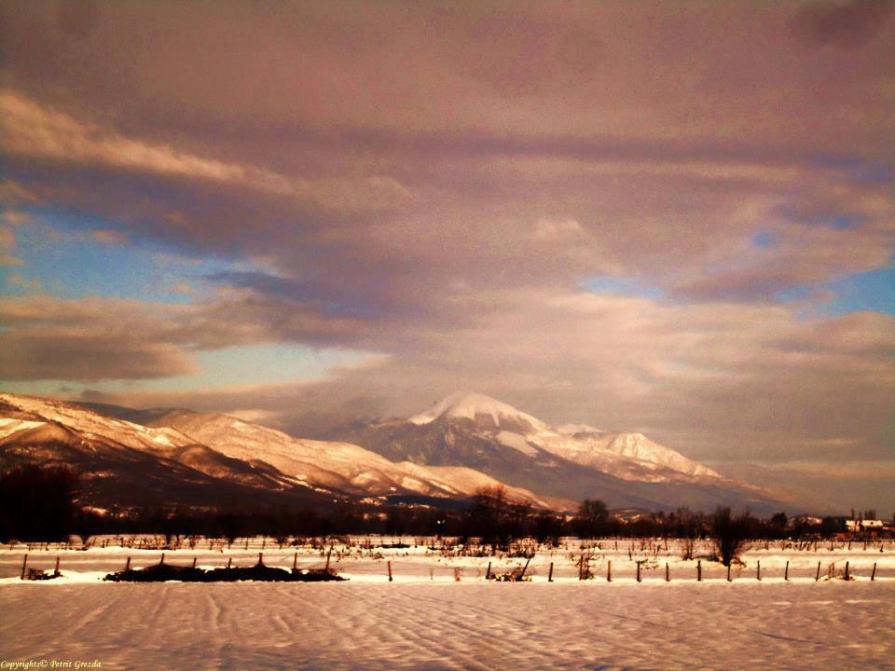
[[403, 559]]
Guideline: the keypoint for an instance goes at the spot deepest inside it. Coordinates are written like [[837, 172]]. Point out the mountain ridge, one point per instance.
[[626, 469], [458, 446], [214, 448]]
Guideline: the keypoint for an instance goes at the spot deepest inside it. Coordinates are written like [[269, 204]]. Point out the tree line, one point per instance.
[[40, 504]]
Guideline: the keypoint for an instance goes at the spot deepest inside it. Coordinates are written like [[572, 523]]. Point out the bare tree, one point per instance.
[[591, 519], [729, 534]]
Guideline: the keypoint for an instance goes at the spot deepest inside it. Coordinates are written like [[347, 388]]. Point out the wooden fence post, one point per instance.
[[667, 573], [873, 573], [389, 564], [127, 564], [817, 576], [550, 572], [24, 564], [786, 572], [609, 571], [698, 570], [295, 561], [638, 572], [846, 571], [728, 573], [327, 558], [488, 572], [525, 568], [758, 570], [162, 560], [194, 561], [56, 570], [229, 562]]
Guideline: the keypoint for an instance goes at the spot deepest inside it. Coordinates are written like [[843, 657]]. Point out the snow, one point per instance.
[[162, 439], [639, 447], [325, 466], [517, 442], [496, 626], [95, 425], [469, 405], [629, 456], [424, 619], [335, 465], [9, 426]]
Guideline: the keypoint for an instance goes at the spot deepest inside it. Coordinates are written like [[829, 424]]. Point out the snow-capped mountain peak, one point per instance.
[[626, 455], [476, 407]]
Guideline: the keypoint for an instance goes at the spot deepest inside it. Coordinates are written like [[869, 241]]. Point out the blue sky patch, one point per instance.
[[622, 286], [65, 257], [873, 291]]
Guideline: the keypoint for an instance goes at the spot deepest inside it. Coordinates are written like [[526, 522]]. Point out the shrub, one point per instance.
[[729, 534]]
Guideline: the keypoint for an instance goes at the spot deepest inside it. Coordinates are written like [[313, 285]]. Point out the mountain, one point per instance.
[[447, 453], [121, 464], [328, 464], [204, 459], [572, 461]]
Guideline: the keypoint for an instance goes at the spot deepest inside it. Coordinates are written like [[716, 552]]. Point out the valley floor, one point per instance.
[[427, 620]]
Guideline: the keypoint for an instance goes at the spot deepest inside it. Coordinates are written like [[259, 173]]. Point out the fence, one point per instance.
[[648, 561]]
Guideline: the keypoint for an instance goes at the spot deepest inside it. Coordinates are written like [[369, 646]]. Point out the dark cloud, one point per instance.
[[92, 339], [843, 24], [55, 356]]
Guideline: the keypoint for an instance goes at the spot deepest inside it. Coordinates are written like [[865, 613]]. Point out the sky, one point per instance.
[[668, 217]]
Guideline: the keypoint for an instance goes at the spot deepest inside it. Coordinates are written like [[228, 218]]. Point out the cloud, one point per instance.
[[435, 184], [109, 237], [12, 193], [91, 339], [34, 131], [14, 218], [842, 24], [7, 245]]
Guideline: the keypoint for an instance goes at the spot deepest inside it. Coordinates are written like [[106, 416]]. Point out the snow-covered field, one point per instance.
[[426, 619]]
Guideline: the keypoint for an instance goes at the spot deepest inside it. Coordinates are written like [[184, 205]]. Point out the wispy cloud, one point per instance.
[[34, 131]]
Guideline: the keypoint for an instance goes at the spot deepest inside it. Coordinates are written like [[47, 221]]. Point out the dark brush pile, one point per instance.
[[260, 572]]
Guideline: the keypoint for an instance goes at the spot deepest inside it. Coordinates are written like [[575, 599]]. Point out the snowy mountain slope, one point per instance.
[[186, 445], [338, 465], [631, 456], [112, 474], [626, 469], [90, 432], [90, 423]]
